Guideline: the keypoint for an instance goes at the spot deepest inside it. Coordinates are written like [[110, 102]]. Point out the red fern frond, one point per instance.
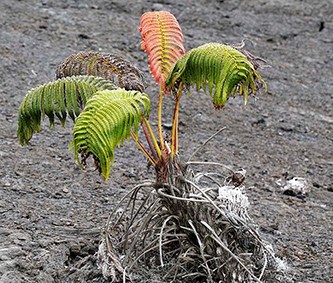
[[162, 39]]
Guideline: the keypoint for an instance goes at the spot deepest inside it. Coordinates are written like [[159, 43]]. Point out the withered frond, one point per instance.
[[105, 65]]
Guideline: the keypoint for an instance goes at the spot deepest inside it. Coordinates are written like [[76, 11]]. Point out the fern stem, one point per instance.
[[174, 129], [148, 139], [159, 113], [151, 138], [141, 147]]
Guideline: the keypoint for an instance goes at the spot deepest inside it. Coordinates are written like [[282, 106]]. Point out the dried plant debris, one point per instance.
[[192, 231], [296, 187]]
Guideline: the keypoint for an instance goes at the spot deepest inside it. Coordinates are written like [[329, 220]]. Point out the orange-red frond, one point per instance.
[[162, 39]]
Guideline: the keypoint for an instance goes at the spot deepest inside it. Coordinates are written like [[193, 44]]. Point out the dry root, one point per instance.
[[194, 227]]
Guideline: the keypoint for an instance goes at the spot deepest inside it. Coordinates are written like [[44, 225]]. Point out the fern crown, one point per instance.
[[103, 93]]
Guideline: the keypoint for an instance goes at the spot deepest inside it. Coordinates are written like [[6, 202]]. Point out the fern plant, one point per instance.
[[104, 95], [81, 76]]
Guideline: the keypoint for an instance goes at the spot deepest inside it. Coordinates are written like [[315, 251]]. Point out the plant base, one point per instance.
[[195, 227]]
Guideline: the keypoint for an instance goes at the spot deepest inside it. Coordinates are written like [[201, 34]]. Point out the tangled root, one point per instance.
[[195, 227]]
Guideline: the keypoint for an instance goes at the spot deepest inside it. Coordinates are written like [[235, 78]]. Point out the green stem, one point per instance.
[[159, 115], [174, 129]]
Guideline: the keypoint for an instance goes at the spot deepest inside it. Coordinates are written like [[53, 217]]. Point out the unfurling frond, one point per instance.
[[225, 70], [106, 121], [105, 65], [58, 98], [162, 39]]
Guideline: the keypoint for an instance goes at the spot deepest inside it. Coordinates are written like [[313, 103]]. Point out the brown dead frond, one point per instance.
[[105, 65]]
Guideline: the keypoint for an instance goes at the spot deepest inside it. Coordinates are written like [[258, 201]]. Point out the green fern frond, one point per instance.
[[56, 99], [225, 70], [106, 122], [104, 65]]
